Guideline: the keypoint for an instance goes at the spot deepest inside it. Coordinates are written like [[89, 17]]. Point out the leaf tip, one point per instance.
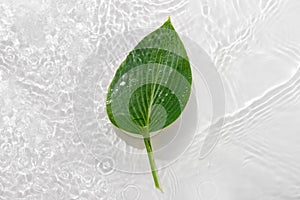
[[168, 24]]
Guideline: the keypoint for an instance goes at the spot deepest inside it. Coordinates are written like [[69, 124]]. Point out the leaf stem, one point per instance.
[[152, 163]]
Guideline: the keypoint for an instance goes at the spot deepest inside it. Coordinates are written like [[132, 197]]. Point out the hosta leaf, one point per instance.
[[151, 87]]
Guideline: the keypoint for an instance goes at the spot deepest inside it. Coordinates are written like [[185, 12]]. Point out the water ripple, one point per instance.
[[236, 124]]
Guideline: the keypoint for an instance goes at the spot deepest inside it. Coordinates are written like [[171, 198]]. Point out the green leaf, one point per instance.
[[151, 87]]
